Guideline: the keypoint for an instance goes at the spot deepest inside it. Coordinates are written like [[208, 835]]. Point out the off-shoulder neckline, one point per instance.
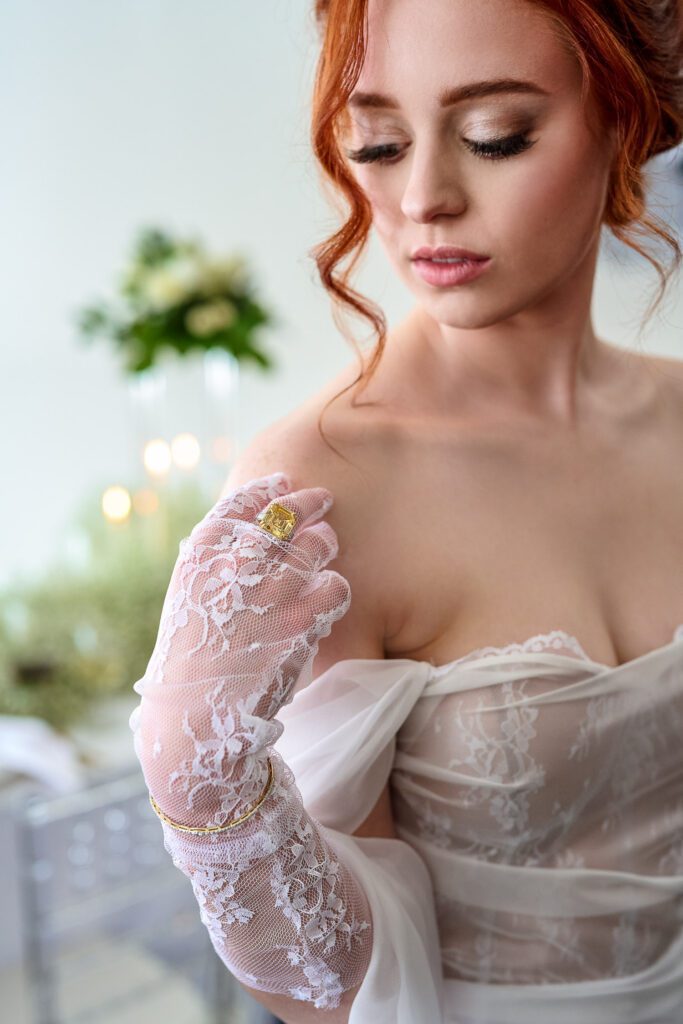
[[519, 650], [522, 649]]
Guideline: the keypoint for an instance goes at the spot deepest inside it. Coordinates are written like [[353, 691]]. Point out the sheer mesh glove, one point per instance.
[[239, 629]]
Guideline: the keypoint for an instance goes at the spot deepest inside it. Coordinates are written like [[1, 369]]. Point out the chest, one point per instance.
[[493, 541]]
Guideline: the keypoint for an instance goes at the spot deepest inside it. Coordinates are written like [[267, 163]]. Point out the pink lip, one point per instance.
[[445, 274], [444, 251]]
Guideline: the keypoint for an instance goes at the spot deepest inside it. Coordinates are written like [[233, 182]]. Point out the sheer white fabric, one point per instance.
[[543, 791], [239, 629]]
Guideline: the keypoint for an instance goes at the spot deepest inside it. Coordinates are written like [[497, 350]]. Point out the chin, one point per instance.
[[472, 309], [467, 315]]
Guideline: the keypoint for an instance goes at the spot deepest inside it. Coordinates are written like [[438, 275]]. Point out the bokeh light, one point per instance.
[[157, 457], [185, 451], [116, 504]]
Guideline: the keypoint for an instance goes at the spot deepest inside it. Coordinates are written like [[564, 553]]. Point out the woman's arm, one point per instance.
[[359, 634], [281, 907], [378, 823]]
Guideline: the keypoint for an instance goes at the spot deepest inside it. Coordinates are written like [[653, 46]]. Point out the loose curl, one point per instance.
[[631, 55]]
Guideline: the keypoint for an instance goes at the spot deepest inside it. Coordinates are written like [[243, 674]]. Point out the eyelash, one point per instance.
[[496, 149]]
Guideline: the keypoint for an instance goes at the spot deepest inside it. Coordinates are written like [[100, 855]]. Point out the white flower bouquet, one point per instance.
[[174, 296]]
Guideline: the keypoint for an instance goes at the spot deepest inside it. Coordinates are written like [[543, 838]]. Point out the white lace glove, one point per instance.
[[239, 628]]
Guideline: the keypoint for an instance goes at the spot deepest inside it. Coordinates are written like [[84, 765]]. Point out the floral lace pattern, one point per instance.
[[541, 771], [307, 886], [239, 629], [556, 639]]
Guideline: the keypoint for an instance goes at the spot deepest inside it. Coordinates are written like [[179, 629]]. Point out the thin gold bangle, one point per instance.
[[215, 828]]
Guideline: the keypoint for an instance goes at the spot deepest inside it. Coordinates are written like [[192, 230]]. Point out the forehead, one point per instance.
[[425, 45]]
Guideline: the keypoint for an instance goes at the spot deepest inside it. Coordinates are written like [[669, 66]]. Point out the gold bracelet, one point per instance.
[[215, 828]]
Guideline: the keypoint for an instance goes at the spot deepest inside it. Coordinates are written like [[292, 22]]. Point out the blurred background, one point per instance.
[[159, 201]]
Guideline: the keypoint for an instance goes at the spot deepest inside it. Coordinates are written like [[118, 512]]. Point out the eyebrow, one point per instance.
[[448, 97]]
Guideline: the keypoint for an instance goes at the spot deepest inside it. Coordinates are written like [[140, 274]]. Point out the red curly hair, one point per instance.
[[631, 55]]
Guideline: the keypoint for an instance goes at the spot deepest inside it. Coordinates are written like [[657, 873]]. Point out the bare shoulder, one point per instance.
[[668, 368], [318, 443], [346, 461], [667, 373]]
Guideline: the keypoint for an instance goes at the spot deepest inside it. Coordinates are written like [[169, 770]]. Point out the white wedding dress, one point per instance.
[[538, 797]]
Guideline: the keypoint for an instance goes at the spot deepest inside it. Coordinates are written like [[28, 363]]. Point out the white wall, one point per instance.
[[193, 116]]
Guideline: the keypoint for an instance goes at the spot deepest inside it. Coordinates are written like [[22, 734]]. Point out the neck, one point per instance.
[[543, 365]]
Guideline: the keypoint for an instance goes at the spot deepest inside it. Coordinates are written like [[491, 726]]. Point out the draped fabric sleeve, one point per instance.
[[339, 739]]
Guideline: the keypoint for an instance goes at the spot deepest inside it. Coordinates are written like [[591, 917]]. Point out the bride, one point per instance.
[[421, 757]]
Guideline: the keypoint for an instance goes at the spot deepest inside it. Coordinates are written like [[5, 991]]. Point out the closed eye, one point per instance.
[[501, 148], [493, 149]]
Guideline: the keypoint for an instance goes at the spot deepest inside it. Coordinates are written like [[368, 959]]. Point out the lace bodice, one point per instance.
[[528, 784], [544, 793]]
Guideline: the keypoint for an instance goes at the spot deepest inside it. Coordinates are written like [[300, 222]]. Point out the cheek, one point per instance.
[[554, 205], [382, 189]]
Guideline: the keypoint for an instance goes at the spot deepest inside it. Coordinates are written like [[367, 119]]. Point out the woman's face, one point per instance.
[[514, 175]]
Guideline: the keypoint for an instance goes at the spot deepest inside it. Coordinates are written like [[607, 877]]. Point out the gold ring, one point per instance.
[[278, 520]]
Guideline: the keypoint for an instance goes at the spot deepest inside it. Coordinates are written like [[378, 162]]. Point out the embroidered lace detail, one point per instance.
[[239, 630], [541, 773], [600, 711], [499, 755], [634, 945], [556, 639]]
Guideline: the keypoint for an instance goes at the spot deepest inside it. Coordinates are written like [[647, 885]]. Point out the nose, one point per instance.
[[434, 185]]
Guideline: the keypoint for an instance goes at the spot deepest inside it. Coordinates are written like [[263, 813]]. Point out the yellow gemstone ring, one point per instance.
[[278, 520]]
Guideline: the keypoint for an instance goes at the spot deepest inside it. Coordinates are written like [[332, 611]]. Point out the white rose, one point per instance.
[[171, 283], [209, 317]]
